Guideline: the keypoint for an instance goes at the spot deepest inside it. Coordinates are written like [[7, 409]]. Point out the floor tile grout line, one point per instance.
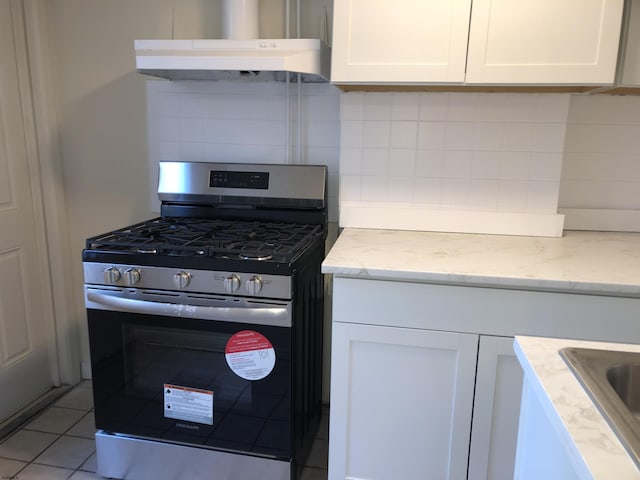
[[89, 470], [33, 462], [65, 433]]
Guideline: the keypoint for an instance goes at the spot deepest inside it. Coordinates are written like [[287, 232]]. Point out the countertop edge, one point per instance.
[[594, 263], [543, 285], [594, 443]]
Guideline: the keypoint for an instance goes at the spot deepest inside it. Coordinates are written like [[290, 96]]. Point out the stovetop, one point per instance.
[[209, 238]]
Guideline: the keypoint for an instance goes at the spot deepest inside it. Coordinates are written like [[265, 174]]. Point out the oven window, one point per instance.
[[135, 357], [158, 356]]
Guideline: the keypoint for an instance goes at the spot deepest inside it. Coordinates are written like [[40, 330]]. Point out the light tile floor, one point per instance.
[[58, 444]]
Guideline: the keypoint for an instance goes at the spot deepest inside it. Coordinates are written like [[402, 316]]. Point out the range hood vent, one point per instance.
[[249, 60]]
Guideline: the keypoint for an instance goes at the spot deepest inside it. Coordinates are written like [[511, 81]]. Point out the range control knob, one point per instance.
[[111, 275], [254, 285], [231, 283], [132, 276], [181, 280]]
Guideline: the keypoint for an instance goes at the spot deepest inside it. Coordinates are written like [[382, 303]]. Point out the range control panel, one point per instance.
[[231, 179], [186, 280]]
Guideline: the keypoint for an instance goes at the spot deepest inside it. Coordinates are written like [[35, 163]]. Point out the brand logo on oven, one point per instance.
[[188, 427]]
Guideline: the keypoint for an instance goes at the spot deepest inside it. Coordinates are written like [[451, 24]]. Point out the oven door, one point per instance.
[[193, 369]]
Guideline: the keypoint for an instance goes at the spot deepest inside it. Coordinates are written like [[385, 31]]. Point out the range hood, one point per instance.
[[227, 59]]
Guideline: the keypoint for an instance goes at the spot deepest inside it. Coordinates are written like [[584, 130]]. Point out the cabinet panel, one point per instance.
[[378, 41], [403, 369], [541, 453], [496, 409], [544, 41], [630, 58], [489, 311], [401, 402]]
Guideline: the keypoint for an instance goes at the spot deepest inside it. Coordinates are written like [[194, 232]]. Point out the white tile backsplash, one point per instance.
[[376, 133], [402, 162], [433, 107], [377, 161], [457, 164], [546, 166], [403, 134], [518, 137], [459, 136], [428, 191], [515, 165], [405, 106], [493, 152], [486, 164], [470, 151], [483, 193], [432, 135], [377, 107], [488, 136], [430, 163]]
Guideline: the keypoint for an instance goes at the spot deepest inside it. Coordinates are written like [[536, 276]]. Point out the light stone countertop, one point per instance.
[[571, 410], [581, 262]]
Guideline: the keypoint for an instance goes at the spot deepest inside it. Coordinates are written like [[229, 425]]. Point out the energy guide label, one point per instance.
[[190, 404], [250, 355]]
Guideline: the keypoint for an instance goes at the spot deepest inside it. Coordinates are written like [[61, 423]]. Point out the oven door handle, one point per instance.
[[278, 316]]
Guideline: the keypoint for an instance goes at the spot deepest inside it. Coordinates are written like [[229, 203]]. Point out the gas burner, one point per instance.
[[263, 258], [202, 237]]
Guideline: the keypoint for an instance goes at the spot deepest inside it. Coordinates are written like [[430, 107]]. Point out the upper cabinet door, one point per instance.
[[544, 42], [400, 41]]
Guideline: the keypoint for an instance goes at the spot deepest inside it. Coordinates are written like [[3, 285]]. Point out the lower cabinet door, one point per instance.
[[496, 410], [401, 403]]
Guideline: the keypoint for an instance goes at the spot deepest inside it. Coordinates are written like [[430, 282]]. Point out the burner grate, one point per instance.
[[180, 236]]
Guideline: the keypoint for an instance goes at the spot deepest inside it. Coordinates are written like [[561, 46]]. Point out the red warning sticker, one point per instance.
[[250, 355]]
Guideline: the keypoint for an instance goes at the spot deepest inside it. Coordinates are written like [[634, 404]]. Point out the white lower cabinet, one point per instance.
[[401, 403], [496, 409], [424, 380]]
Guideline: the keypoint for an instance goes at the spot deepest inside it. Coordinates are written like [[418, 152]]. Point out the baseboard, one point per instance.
[[359, 215], [28, 412], [86, 371]]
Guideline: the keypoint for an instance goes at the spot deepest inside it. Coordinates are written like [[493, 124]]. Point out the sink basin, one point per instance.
[[625, 380], [612, 380]]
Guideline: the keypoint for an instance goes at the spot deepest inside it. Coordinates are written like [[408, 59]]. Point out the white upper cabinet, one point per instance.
[[499, 42], [400, 41], [571, 42], [629, 69]]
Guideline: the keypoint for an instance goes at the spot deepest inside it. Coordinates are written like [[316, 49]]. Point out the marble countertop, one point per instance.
[[582, 262], [600, 453]]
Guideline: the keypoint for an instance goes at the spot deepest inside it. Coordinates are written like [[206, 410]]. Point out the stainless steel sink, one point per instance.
[[612, 380]]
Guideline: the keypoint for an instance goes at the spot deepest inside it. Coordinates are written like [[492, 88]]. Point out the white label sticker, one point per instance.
[[250, 355], [190, 404]]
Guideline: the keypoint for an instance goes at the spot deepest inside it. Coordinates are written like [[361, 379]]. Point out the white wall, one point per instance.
[[600, 186], [101, 109]]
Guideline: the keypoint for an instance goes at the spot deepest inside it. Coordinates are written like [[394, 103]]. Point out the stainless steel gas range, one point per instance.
[[205, 326]]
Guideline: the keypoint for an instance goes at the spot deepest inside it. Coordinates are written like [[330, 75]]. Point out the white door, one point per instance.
[[404, 41], [544, 41], [401, 402], [25, 315], [496, 410]]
